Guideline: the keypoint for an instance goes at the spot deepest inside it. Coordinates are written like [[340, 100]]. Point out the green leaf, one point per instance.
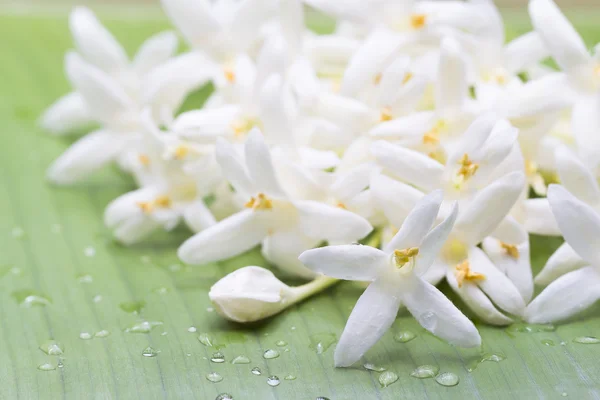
[[65, 286]]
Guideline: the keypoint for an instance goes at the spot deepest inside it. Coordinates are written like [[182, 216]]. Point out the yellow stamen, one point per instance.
[[244, 125], [467, 169], [229, 75], [510, 249], [144, 160], [377, 79], [145, 206], [463, 273], [407, 77], [401, 257], [438, 155], [417, 21], [260, 202], [597, 70], [531, 167], [162, 202], [431, 137], [454, 251], [386, 114], [341, 205], [181, 152]]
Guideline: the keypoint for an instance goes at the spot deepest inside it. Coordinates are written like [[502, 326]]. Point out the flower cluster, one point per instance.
[[408, 146]]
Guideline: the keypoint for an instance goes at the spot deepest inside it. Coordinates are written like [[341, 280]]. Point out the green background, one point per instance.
[[60, 223]]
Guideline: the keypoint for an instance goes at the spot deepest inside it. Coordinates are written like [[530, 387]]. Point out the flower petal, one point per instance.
[[439, 315], [193, 18], [67, 114], [233, 168], [585, 121], [562, 261], [260, 165], [409, 128], [451, 87], [578, 222], [566, 296], [396, 199], [205, 125], [575, 177], [341, 224], [539, 219], [135, 229], [230, 237], [282, 249], [524, 51], [198, 217], [155, 51], [371, 317], [350, 262]]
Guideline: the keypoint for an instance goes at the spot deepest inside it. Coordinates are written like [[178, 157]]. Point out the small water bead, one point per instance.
[[586, 340], [493, 357], [425, 371], [102, 334], [97, 298], [428, 320], [273, 380], [404, 336], [270, 354], [29, 298], [60, 363], [86, 278], [218, 358], [529, 328], [293, 328], [547, 342], [161, 290], [85, 335], [210, 309], [143, 327], [224, 396], [281, 343], [387, 378], [447, 379], [320, 342], [150, 352], [214, 377], [146, 259], [133, 307], [564, 394], [89, 251], [322, 398], [192, 329], [165, 333], [206, 339], [290, 377], [56, 228], [17, 232], [256, 371], [373, 367], [52, 348], [174, 267], [46, 367], [240, 360]]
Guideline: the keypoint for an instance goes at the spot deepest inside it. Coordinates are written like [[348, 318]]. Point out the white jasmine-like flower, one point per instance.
[[287, 225], [576, 290], [395, 275], [253, 293]]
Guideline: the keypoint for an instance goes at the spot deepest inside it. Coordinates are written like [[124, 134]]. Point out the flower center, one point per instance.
[[403, 257], [260, 202], [386, 114], [454, 251], [466, 170], [144, 159], [510, 249], [229, 74], [244, 125], [463, 273], [160, 202], [432, 136], [497, 75], [417, 21]]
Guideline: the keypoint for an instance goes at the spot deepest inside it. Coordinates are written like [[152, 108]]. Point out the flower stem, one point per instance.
[[319, 284]]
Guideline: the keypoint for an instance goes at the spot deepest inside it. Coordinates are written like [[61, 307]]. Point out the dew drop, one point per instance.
[[146, 259], [17, 232], [320, 342], [564, 394], [293, 328], [425, 371], [85, 336], [586, 340], [192, 329], [29, 298], [322, 398], [493, 357], [547, 342], [52, 348], [281, 343], [165, 333], [143, 327], [206, 339], [210, 309], [428, 320], [214, 377], [218, 357], [46, 367], [224, 396], [86, 278], [256, 371], [89, 251], [97, 298], [56, 228], [270, 354], [404, 336], [102, 334], [447, 379], [174, 267], [273, 380], [133, 307], [373, 367], [240, 360], [160, 290], [150, 352], [387, 378], [60, 363], [290, 377]]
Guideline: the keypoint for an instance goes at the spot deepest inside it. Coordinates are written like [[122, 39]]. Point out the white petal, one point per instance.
[[260, 165], [433, 243], [585, 121], [575, 177], [205, 125], [578, 222], [409, 165], [233, 168], [439, 315], [125, 206], [371, 317], [282, 249], [352, 182], [452, 88], [341, 224], [392, 78], [563, 260], [524, 51], [539, 219], [135, 229], [418, 223], [496, 285], [412, 127], [345, 111], [566, 296], [85, 156], [198, 217], [155, 51], [436, 272], [563, 41], [317, 159], [489, 207], [228, 238], [396, 199], [95, 42], [274, 113], [193, 18], [248, 18], [350, 262], [475, 137], [67, 114]]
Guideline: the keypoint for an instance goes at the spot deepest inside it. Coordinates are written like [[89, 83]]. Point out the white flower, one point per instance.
[[395, 275], [576, 290], [286, 225]]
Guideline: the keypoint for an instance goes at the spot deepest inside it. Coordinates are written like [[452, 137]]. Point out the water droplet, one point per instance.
[[547, 342], [273, 380], [214, 377], [270, 354], [428, 320], [586, 340], [133, 307], [210, 309], [404, 336], [56, 228], [174, 267], [564, 394], [240, 360], [224, 396], [29, 298], [143, 327], [17, 232], [85, 335], [146, 259], [493, 357], [102, 334], [387, 378], [290, 377], [206, 339], [293, 328], [86, 278], [192, 329], [52, 348], [160, 290], [150, 352], [373, 367], [425, 371], [563, 343], [89, 251], [281, 343], [218, 358], [320, 342], [97, 298], [256, 371], [447, 379], [322, 398], [529, 328], [60, 363], [46, 367]]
